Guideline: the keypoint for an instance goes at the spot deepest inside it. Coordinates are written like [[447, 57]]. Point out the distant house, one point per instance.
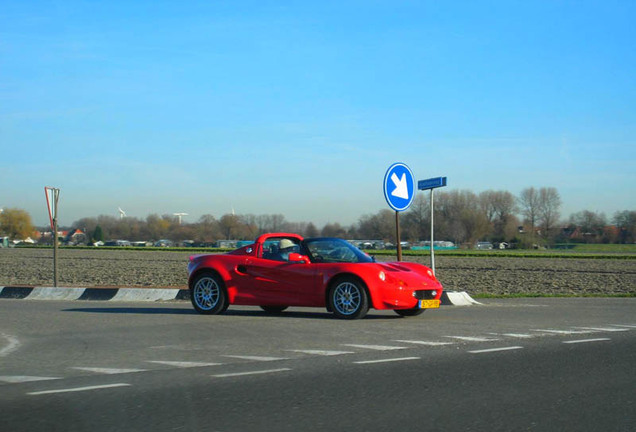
[[75, 236]]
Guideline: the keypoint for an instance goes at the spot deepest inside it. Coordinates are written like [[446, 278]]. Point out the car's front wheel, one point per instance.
[[208, 295], [348, 299]]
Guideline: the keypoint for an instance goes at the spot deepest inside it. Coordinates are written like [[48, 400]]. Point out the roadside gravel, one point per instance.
[[476, 275]]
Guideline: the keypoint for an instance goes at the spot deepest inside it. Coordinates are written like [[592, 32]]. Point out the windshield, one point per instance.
[[334, 250]]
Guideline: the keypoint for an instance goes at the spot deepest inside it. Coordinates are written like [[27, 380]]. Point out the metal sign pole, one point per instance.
[[432, 248], [431, 184], [397, 236]]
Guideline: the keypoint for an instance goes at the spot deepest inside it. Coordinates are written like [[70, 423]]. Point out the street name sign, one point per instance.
[[431, 183]]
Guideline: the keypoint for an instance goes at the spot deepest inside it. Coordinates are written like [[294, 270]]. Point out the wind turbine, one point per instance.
[[179, 215], [122, 213]]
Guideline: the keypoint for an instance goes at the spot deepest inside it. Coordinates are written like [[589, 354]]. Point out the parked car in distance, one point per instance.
[[121, 243], [484, 246]]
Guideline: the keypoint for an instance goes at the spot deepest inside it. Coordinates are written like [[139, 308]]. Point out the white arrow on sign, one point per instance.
[[401, 187]]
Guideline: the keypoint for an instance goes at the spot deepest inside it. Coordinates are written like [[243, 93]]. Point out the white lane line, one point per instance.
[[256, 358], [15, 379], [605, 329], [13, 345], [387, 360], [491, 350], [625, 325], [427, 343], [516, 335], [322, 352], [227, 375], [108, 371], [182, 364], [376, 347], [564, 332], [472, 339], [78, 389], [586, 340]]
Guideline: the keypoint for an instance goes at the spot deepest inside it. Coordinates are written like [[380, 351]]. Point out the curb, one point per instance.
[[449, 298], [98, 294], [457, 298]]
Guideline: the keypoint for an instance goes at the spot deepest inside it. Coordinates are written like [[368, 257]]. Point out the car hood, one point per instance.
[[409, 274]]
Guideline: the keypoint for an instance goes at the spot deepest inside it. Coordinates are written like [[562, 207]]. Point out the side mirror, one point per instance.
[[298, 258]]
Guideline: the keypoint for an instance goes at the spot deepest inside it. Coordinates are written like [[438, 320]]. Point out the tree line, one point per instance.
[[461, 216]]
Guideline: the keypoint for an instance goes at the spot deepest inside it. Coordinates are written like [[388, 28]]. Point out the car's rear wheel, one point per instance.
[[208, 295], [348, 299], [409, 312], [273, 309]]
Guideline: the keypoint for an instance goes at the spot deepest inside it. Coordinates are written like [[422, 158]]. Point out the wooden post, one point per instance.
[[397, 236], [56, 195], [55, 251]]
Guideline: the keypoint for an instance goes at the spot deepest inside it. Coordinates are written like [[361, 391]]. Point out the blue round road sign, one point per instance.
[[399, 186]]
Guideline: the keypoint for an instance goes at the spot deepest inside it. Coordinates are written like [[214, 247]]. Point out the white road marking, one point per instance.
[[586, 340], [322, 352], [14, 379], [13, 345], [183, 364], [108, 371], [564, 332], [605, 329], [427, 343], [516, 335], [387, 360], [250, 373], [376, 347], [625, 325], [256, 358], [78, 389], [472, 339], [491, 350]]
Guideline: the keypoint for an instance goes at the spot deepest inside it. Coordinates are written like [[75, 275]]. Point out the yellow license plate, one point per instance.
[[429, 304]]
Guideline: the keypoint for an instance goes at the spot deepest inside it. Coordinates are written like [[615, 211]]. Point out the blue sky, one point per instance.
[[300, 107]]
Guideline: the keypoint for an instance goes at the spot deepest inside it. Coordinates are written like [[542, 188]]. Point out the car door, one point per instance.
[[279, 282]]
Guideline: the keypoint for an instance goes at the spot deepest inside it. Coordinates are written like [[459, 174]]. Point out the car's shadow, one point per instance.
[[230, 312]]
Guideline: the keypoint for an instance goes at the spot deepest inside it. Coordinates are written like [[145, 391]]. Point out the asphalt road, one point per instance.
[[526, 364]]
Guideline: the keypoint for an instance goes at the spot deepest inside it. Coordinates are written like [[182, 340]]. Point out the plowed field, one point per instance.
[[476, 275]]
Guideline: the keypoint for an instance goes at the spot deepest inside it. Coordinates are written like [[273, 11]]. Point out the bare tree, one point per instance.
[[460, 218], [529, 204], [549, 206], [625, 221], [416, 223], [379, 226], [590, 224], [500, 207], [229, 225]]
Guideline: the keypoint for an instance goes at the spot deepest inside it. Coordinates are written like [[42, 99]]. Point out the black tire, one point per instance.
[[348, 299], [409, 312], [274, 309], [207, 292]]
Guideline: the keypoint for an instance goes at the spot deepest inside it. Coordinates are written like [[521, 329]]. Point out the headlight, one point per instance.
[[382, 276]]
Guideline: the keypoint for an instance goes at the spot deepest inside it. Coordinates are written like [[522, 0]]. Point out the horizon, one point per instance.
[[299, 109]]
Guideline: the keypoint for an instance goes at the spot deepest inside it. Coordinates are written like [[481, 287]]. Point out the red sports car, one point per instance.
[[280, 270]]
